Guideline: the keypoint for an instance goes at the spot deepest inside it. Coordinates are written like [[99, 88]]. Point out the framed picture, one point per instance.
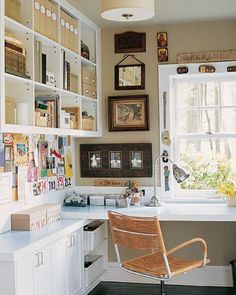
[[116, 160], [136, 160], [95, 160], [162, 54], [128, 42], [128, 113], [162, 40]]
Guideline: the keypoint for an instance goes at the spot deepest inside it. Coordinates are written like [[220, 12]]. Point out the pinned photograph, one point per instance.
[[115, 160], [136, 160], [95, 160]]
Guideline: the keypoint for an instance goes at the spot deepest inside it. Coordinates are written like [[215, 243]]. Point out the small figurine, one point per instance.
[[166, 175]]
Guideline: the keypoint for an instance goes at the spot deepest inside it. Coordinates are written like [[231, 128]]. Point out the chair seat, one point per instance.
[[153, 265]]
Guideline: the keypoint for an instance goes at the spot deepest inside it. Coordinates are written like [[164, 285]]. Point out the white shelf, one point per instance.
[[70, 53], [88, 62], [45, 40], [13, 79], [14, 25], [17, 87], [89, 98], [69, 93], [40, 87]]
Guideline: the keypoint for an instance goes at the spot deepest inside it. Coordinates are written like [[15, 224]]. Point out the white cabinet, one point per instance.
[[43, 272], [50, 263], [75, 275], [67, 265]]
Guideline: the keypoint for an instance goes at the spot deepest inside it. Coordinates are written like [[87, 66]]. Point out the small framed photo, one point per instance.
[[95, 160], [162, 54], [136, 160], [115, 160], [162, 40]]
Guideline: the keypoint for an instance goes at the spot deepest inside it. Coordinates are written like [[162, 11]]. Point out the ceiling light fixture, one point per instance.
[[127, 10]]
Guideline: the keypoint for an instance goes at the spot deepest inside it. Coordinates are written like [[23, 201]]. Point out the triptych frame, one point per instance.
[[116, 160]]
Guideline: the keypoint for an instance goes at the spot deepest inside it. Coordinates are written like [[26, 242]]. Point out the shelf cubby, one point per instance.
[[19, 104], [20, 11], [26, 37]]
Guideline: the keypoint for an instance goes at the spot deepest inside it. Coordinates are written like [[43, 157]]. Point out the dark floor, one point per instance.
[[110, 288]]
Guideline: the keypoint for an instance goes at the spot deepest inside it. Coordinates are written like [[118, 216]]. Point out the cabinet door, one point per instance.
[[59, 266], [43, 272], [75, 264], [25, 275]]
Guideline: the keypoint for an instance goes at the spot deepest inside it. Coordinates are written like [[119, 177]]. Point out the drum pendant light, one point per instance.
[[127, 10]]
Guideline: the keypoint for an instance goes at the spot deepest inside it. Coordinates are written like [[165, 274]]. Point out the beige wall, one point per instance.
[[182, 38]]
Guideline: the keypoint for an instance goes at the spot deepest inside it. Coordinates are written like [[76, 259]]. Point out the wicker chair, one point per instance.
[[144, 233]]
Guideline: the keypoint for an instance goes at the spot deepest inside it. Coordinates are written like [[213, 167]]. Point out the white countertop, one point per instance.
[[167, 212], [14, 244]]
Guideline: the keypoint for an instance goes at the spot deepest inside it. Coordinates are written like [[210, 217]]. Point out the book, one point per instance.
[[50, 105], [68, 75], [44, 68], [38, 60]]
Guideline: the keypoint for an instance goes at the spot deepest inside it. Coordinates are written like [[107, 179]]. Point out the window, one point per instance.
[[202, 122], [205, 136]]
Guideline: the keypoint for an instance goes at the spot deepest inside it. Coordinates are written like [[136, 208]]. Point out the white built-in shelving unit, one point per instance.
[[25, 90]]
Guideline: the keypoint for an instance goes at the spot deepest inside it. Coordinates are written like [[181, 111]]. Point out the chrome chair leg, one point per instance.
[[163, 288]]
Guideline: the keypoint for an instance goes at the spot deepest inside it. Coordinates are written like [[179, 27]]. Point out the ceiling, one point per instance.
[[168, 11]]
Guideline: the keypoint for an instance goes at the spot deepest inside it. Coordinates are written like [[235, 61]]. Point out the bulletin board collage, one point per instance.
[[33, 165]]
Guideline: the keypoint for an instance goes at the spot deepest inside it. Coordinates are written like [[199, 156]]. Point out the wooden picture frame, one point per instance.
[[128, 113], [125, 154], [129, 42], [162, 39], [162, 54], [133, 83]]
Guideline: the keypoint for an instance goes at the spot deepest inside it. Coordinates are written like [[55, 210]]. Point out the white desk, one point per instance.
[[168, 212]]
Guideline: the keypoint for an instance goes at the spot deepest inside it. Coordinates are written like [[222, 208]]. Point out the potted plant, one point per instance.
[[228, 191]]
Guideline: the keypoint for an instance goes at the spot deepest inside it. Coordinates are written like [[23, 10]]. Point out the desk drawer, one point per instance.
[[94, 233], [93, 268]]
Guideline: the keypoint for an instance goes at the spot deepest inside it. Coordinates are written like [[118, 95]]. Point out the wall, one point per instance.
[[182, 38]]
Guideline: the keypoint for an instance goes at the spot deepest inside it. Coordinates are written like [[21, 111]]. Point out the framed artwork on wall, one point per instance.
[[128, 42], [128, 113], [116, 160]]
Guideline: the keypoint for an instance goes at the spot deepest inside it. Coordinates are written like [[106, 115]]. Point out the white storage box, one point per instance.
[[94, 267], [94, 233]]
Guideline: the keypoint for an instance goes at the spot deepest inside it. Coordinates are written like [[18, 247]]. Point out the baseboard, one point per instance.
[[207, 276]]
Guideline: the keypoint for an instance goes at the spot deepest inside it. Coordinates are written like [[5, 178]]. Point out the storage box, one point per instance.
[[15, 63], [89, 90], [88, 123], [29, 219], [76, 112], [41, 118], [53, 212], [94, 233], [10, 110], [74, 83], [89, 76], [12, 9], [94, 267]]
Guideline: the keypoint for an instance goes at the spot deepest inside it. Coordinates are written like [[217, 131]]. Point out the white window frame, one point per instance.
[[167, 80]]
